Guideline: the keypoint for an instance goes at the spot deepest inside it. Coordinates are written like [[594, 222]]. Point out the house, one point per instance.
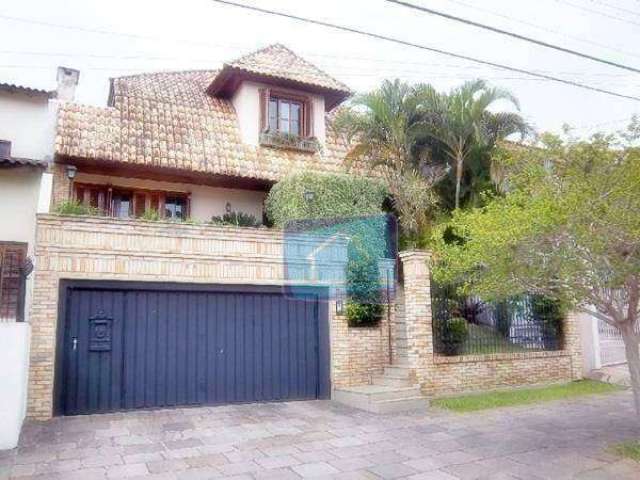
[[143, 303], [27, 121], [205, 303]]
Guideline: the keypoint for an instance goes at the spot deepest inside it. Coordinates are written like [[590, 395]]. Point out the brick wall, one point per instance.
[[110, 249], [441, 375]]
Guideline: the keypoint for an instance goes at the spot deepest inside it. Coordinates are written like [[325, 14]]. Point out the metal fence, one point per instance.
[[471, 326]]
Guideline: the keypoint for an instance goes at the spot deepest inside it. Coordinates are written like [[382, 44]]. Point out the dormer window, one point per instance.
[[285, 115]]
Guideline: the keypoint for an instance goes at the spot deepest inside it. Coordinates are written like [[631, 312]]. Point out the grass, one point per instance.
[[523, 396], [629, 449], [483, 340]]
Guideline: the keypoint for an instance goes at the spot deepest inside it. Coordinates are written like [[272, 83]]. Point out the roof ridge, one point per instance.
[[159, 72]]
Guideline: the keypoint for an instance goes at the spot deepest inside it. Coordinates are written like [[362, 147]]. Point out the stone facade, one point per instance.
[[100, 248], [439, 375]]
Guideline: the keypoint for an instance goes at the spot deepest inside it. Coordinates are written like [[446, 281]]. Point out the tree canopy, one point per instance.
[[568, 227]]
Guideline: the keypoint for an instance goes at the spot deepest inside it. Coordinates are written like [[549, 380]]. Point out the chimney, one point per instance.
[[67, 83]]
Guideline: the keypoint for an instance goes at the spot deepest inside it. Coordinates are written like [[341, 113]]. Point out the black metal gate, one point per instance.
[[128, 346]]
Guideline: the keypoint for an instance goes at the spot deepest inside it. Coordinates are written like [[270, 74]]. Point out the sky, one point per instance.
[[113, 38]]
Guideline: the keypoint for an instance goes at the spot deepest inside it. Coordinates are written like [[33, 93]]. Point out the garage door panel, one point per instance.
[[190, 347]]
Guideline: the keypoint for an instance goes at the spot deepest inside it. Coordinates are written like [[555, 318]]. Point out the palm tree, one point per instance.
[[463, 125], [383, 129]]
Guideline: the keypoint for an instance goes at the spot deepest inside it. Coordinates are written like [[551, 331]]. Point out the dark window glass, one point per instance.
[[121, 204], [285, 116], [175, 207], [273, 115]]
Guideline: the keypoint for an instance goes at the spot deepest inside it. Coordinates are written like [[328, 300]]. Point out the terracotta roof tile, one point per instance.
[[168, 120], [280, 62]]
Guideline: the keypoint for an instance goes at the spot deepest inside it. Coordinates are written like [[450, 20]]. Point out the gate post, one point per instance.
[[417, 310]]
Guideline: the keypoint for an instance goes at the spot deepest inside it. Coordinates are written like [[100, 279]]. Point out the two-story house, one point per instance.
[[27, 123], [134, 313]]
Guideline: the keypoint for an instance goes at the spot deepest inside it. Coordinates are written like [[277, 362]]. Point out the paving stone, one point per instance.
[[127, 471], [167, 466], [277, 462], [391, 471], [318, 469], [554, 441], [102, 461], [22, 470]]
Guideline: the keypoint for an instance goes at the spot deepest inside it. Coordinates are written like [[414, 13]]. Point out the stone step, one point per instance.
[[400, 359], [391, 381], [380, 393], [402, 405], [372, 399], [396, 370]]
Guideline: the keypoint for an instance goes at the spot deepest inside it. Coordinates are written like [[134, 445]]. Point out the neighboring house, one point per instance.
[[27, 123]]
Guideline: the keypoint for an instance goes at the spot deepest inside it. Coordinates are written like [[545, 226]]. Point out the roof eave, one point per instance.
[[227, 81]]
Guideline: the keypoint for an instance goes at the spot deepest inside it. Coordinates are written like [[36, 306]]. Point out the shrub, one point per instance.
[[454, 334], [550, 313], [363, 314], [151, 215], [334, 196], [74, 207], [238, 219]]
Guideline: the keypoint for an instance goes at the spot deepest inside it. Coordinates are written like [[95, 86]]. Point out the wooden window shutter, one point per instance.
[[308, 118], [264, 109]]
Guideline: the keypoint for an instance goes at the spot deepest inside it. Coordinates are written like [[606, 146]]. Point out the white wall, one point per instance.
[[28, 123], [590, 342], [14, 368], [205, 201], [246, 102], [19, 199]]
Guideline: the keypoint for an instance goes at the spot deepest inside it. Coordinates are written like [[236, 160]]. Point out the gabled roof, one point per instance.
[[279, 65]]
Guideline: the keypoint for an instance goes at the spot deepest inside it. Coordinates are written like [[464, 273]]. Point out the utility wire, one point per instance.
[[511, 34], [615, 7], [598, 12], [307, 53], [424, 47], [544, 28]]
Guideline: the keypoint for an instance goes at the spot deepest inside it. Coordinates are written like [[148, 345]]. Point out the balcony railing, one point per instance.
[[287, 141]]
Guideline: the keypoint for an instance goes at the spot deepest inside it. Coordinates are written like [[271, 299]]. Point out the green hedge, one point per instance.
[[334, 196]]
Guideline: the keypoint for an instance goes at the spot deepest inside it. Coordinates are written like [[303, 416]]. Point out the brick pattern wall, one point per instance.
[[359, 353], [442, 375], [61, 185], [110, 249]]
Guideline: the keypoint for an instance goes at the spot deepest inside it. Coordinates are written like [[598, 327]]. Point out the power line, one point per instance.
[[111, 32], [511, 34], [306, 52], [335, 57], [544, 28], [615, 7], [598, 12], [424, 47]]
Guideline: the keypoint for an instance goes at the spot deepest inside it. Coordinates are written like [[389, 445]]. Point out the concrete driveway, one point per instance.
[[324, 440]]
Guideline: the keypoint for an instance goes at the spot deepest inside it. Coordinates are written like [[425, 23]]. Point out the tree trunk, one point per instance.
[[632, 350], [459, 162]]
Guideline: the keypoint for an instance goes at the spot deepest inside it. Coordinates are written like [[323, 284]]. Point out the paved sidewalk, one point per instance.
[[322, 440]]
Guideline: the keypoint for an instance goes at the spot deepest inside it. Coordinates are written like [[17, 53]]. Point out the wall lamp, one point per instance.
[[71, 171]]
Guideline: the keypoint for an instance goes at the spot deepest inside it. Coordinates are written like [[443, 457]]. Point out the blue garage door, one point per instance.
[[129, 346]]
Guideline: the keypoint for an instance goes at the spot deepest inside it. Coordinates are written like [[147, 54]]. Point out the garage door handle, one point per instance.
[[74, 343]]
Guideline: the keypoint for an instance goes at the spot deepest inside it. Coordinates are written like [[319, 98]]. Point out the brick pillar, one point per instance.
[[417, 310], [61, 185], [572, 343]]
